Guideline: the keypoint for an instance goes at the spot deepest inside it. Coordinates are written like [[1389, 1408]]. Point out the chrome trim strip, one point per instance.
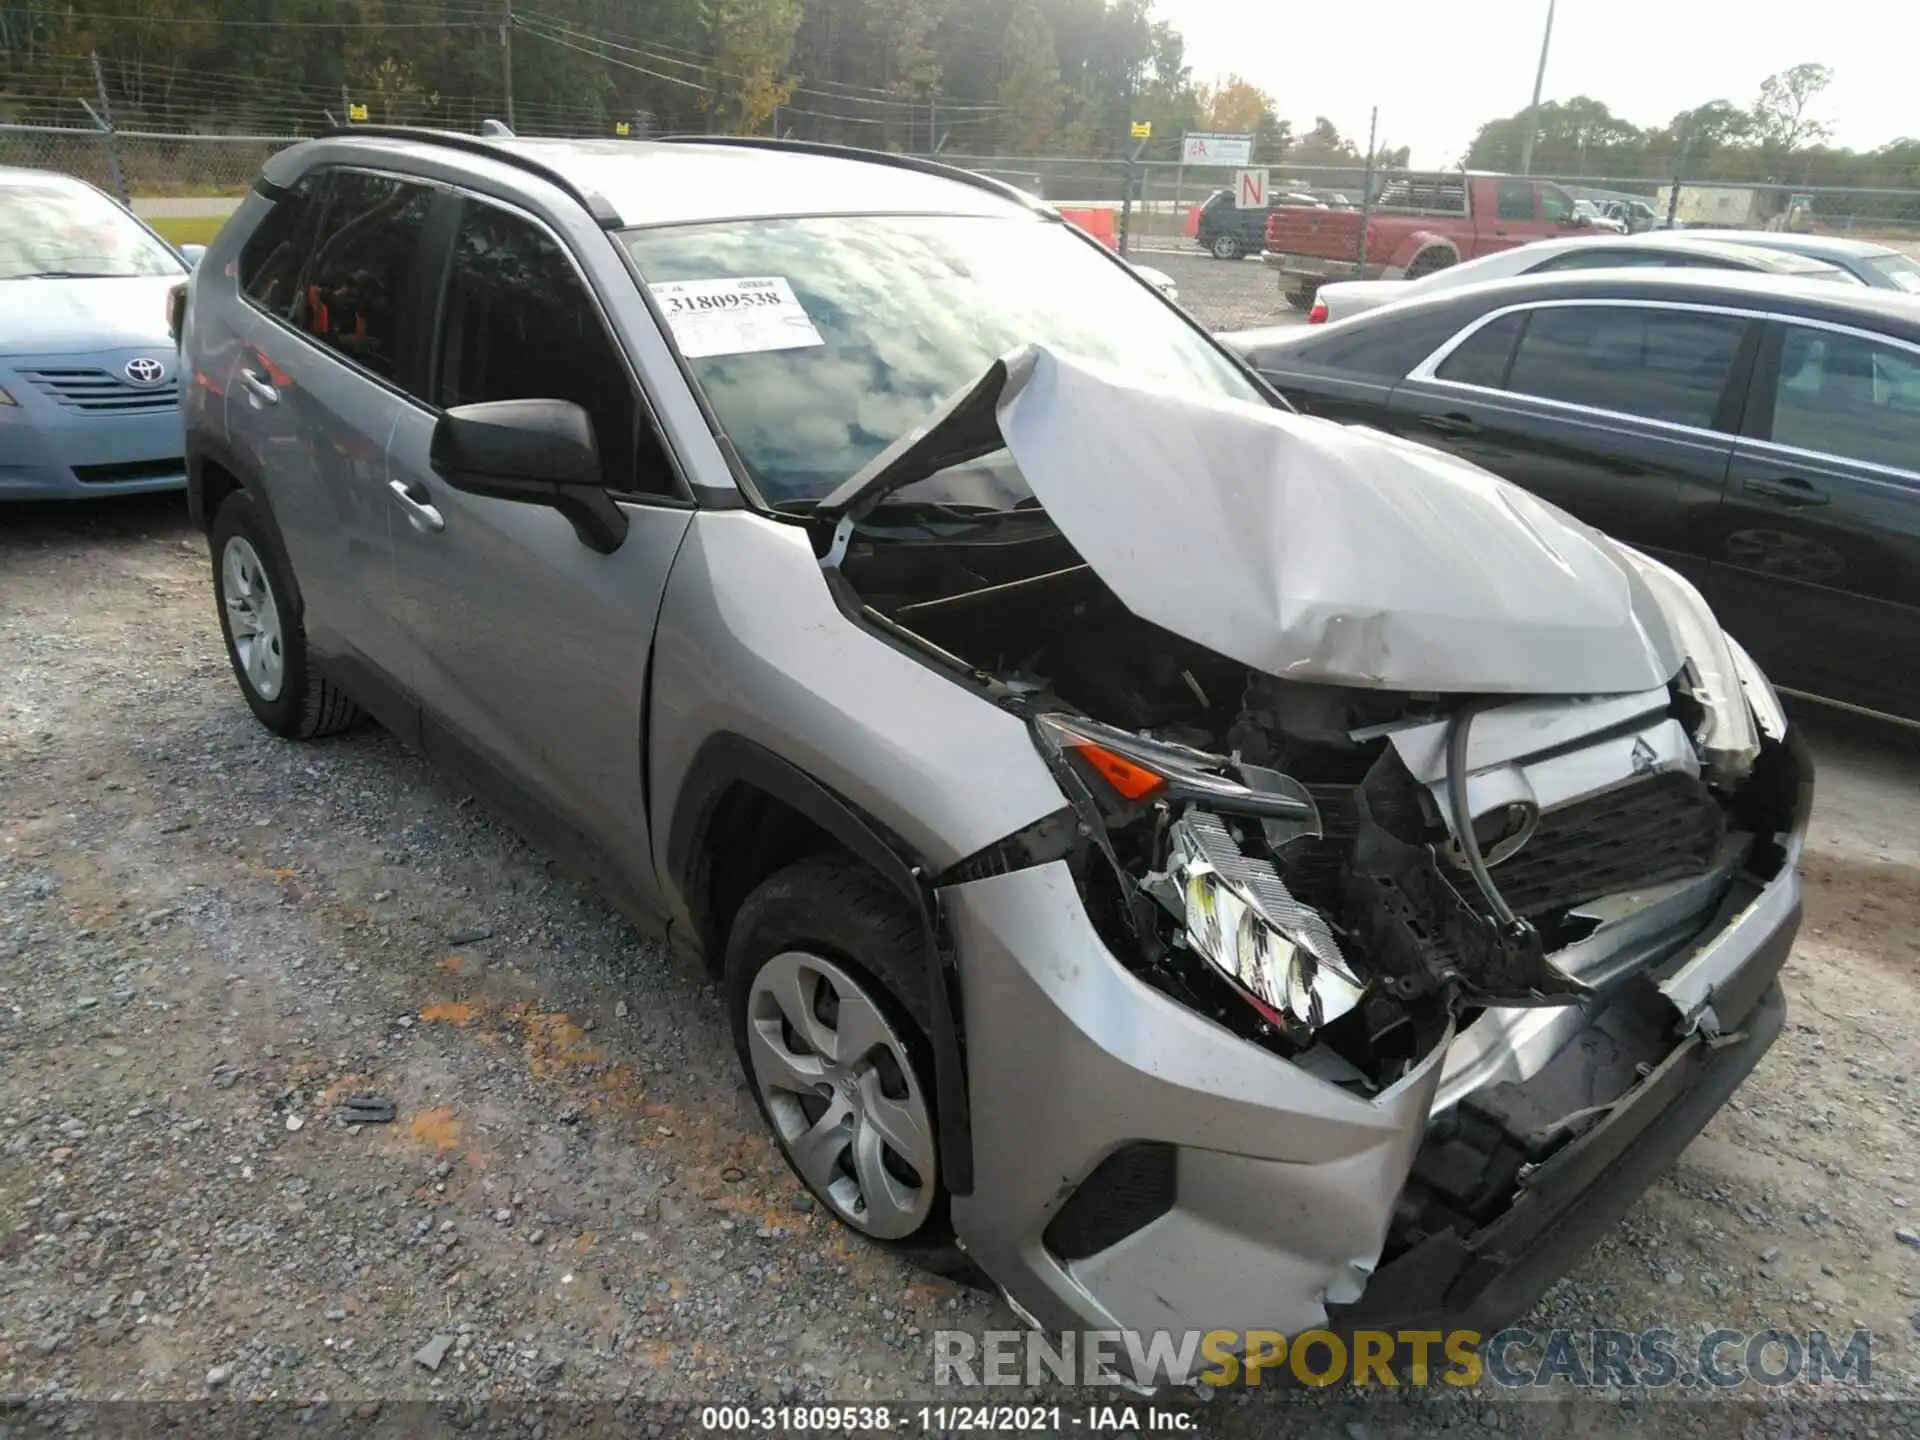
[[1425, 371], [1865, 710]]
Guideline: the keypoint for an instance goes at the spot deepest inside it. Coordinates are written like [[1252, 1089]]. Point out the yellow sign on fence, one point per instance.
[[356, 113], [1142, 130]]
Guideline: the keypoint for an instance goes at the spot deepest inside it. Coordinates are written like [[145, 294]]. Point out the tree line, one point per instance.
[[1780, 138], [1009, 77], [1014, 76]]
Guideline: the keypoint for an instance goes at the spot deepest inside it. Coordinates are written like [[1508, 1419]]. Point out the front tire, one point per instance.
[[265, 634], [1225, 247], [825, 978]]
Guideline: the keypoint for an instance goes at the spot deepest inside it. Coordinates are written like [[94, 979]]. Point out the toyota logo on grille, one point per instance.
[[144, 371]]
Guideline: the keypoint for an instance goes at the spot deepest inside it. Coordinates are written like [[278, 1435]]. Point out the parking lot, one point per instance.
[[1224, 294], [209, 938]]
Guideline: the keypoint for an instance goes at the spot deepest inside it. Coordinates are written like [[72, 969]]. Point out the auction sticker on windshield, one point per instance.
[[735, 316]]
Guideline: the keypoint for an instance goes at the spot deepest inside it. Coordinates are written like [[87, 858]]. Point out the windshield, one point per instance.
[[1899, 271], [55, 228], [820, 341]]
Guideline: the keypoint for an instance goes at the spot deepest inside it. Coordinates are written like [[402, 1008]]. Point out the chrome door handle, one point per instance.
[[1788, 491], [422, 516], [263, 391]]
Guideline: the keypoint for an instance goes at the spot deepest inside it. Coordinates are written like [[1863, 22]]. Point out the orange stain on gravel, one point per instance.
[[439, 1128], [450, 1012]]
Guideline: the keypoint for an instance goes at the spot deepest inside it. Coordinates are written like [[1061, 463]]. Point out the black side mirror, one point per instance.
[[537, 452]]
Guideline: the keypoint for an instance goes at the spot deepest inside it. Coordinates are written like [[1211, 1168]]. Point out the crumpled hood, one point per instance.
[[75, 317], [1316, 551], [1305, 549]]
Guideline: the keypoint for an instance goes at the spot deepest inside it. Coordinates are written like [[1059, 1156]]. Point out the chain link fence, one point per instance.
[[148, 163], [1155, 202]]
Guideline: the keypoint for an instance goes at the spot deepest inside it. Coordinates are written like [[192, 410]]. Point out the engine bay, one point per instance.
[[1286, 857]]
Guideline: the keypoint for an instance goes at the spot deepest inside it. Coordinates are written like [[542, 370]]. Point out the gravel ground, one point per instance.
[[209, 938], [1224, 294]]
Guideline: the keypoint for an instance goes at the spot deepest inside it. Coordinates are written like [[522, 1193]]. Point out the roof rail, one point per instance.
[[872, 157], [604, 215]]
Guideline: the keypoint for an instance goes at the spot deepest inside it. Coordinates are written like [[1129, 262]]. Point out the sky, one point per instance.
[[1438, 71]]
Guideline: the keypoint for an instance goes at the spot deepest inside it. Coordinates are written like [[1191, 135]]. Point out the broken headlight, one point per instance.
[[1240, 918], [1234, 911]]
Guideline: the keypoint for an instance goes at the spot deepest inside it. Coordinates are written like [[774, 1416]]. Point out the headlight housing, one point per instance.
[[1768, 712], [1726, 738], [1235, 912], [1241, 919]]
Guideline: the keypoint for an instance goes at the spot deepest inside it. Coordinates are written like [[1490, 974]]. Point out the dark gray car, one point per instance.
[[1177, 855]]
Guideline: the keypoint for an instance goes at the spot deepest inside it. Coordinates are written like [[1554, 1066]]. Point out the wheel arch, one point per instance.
[[213, 474], [1418, 244], [742, 814]]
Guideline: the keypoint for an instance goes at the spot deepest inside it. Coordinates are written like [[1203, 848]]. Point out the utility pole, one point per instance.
[[1679, 168], [1133, 155], [506, 61], [105, 119], [1366, 192], [1533, 110]]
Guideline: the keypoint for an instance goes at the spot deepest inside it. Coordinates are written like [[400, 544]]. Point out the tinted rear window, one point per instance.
[[1481, 359], [1373, 345], [1667, 365], [270, 261], [356, 293], [1846, 395]]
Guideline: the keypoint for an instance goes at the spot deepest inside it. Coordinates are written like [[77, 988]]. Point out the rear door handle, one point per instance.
[[263, 390], [1451, 424], [421, 515], [1788, 491]]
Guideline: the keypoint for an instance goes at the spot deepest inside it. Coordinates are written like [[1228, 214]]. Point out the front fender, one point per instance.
[[751, 643]]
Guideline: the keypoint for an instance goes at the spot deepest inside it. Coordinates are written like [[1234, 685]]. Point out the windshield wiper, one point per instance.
[[71, 275], [891, 508]]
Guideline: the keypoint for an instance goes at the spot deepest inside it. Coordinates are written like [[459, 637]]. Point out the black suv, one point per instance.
[[1227, 232]]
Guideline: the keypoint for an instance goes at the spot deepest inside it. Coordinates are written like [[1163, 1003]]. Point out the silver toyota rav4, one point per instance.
[[1202, 866]]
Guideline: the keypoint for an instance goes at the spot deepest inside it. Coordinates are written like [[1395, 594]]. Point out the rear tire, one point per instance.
[[1225, 247], [265, 633], [1301, 297], [825, 980], [1428, 261]]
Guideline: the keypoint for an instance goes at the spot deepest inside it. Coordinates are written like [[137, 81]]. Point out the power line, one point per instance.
[[467, 20], [880, 96], [520, 24]]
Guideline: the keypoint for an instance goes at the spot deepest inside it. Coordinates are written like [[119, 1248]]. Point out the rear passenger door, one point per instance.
[[1619, 412], [332, 355], [1817, 555], [529, 650]]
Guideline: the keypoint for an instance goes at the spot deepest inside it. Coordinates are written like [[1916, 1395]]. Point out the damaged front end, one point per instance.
[[1351, 833]]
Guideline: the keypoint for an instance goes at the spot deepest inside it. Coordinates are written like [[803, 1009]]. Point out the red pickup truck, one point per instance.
[[1419, 224]]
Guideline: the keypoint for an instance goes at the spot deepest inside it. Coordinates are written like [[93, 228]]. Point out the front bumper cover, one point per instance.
[[1285, 1186]]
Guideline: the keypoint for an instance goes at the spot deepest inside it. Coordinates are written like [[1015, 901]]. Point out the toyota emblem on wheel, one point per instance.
[[145, 371]]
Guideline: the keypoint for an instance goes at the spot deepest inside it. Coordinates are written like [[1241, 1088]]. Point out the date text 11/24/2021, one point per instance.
[[945, 1419]]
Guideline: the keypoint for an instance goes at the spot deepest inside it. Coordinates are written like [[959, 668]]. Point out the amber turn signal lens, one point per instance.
[[1130, 781]]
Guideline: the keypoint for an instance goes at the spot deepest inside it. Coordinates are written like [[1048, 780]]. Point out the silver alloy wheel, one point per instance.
[[836, 1079], [1226, 247], [253, 618]]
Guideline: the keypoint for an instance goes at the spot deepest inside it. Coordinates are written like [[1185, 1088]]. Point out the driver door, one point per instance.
[[527, 649]]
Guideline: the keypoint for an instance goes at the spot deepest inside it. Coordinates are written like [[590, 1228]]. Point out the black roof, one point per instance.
[[1887, 311]]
